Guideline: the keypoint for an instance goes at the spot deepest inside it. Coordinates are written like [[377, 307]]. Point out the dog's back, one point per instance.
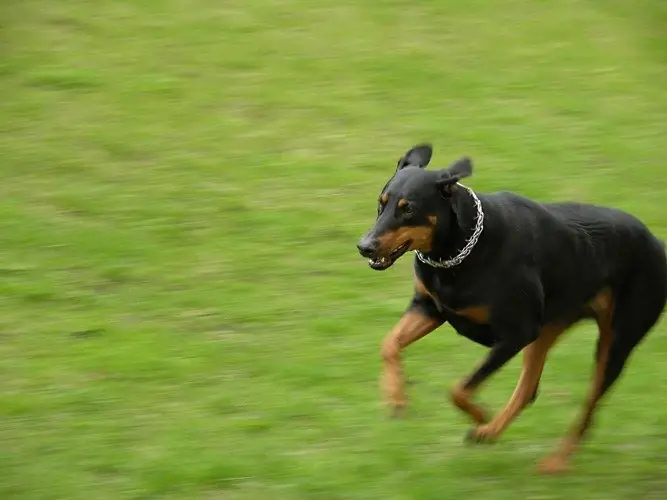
[[582, 248]]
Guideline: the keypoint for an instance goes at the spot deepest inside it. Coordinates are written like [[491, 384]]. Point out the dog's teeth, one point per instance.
[[380, 261]]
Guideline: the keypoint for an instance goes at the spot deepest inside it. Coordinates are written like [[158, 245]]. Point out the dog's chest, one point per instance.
[[447, 294], [452, 298]]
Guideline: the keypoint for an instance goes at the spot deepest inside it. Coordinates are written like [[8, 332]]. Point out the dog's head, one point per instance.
[[411, 205]]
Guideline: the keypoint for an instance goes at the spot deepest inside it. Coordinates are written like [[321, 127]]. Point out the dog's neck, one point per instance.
[[463, 231], [448, 241]]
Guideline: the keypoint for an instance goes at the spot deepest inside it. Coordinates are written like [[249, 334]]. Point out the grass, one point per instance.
[[183, 314]]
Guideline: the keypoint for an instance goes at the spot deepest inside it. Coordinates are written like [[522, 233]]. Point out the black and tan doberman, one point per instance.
[[513, 274]]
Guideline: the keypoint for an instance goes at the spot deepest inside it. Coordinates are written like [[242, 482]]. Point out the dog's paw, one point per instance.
[[554, 464], [397, 410], [481, 435]]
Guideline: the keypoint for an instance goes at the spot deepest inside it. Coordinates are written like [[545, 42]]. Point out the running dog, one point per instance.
[[513, 274]]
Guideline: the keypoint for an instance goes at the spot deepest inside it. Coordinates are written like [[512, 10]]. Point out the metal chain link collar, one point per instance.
[[471, 242]]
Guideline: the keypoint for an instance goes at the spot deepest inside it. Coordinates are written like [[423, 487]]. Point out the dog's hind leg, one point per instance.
[[559, 461], [623, 325]]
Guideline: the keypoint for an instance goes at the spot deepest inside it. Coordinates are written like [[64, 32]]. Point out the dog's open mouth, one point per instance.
[[382, 263]]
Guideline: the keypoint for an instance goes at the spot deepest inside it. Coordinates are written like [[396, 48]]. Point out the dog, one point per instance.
[[512, 275]]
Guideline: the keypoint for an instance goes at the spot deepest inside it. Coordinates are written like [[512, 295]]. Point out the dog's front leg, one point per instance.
[[414, 325], [514, 319], [462, 394], [511, 341], [534, 357]]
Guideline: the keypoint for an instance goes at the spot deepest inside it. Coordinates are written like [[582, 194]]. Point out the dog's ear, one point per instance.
[[461, 168], [448, 178], [418, 156]]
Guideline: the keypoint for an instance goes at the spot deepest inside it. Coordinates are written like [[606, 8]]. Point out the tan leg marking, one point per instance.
[[559, 461], [534, 357], [462, 399], [410, 328]]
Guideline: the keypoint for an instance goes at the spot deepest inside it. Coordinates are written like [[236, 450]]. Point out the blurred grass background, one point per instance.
[[182, 182]]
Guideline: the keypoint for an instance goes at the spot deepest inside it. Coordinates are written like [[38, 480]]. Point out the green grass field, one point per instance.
[[182, 183]]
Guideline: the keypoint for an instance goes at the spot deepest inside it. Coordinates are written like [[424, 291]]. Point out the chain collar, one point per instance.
[[470, 244]]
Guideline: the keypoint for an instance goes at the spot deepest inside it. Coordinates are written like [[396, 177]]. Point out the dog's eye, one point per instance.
[[381, 204]]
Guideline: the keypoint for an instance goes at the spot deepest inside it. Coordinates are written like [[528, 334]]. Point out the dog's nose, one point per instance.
[[367, 247]]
